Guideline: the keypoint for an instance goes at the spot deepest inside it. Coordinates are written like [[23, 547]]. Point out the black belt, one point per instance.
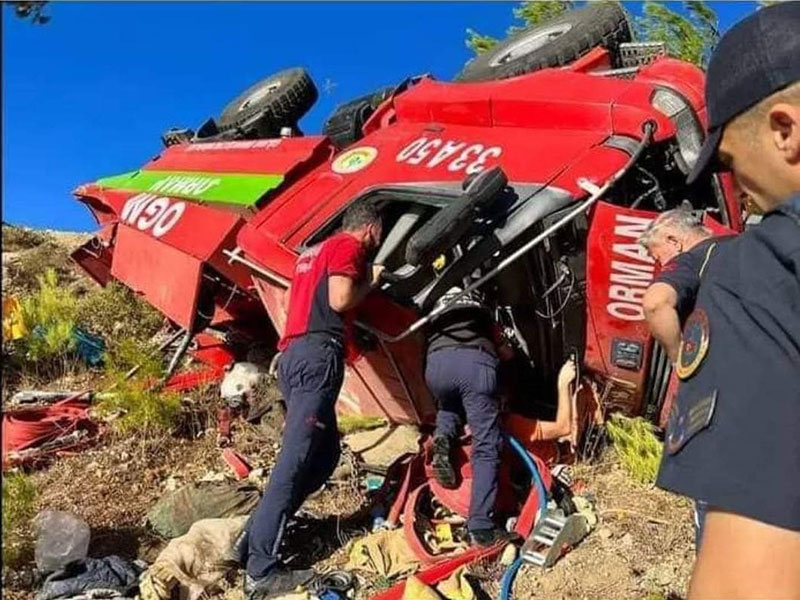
[[321, 336], [480, 347]]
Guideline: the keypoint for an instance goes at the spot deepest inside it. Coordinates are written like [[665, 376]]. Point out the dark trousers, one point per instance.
[[464, 381], [310, 376]]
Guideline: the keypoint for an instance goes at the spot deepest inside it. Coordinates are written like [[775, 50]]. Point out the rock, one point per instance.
[[604, 533], [626, 540], [664, 575], [344, 470], [256, 475]]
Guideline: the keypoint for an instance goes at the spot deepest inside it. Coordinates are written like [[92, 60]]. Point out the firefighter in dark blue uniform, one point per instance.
[[733, 437], [682, 246], [461, 373]]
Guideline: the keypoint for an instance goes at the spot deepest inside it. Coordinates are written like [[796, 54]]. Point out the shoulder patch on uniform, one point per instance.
[[687, 421], [695, 340]]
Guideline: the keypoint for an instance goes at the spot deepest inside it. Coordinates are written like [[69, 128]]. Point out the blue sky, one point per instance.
[[89, 94]]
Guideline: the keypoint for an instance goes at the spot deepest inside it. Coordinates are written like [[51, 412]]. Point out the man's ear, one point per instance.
[[784, 123]]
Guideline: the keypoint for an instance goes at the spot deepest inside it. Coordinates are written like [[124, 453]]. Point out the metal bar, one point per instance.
[[235, 256], [187, 339], [136, 368], [612, 72]]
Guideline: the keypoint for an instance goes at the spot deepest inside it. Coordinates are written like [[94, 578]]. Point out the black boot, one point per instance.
[[442, 466], [489, 537], [277, 583]]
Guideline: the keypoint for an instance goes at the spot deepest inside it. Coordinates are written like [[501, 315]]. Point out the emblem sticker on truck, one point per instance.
[[354, 160], [459, 156]]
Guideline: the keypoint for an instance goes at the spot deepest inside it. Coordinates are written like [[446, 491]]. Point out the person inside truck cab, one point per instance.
[[732, 436], [329, 281], [678, 242], [461, 373]]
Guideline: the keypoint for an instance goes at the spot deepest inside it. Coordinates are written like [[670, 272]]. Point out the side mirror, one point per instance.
[[446, 228], [485, 185]]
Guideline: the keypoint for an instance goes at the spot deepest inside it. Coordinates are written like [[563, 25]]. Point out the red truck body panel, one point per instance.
[[552, 128]]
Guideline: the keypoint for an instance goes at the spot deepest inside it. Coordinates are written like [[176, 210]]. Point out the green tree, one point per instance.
[[691, 36], [30, 10], [530, 13]]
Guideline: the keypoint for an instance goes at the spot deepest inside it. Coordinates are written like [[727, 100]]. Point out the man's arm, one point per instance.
[[660, 309], [562, 426], [344, 293]]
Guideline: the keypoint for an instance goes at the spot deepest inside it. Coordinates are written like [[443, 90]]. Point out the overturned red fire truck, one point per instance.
[[579, 146], [530, 177]]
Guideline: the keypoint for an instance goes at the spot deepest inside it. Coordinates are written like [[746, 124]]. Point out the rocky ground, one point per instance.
[[641, 547]]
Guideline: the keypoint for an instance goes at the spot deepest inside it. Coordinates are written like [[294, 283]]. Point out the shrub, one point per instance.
[[115, 311], [137, 406], [21, 238], [19, 497], [49, 319], [23, 271], [636, 445]]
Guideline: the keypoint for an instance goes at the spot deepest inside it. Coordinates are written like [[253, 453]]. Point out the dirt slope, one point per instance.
[[642, 546]]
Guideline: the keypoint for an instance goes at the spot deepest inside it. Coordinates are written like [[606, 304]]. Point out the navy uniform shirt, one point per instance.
[[733, 438], [683, 274]]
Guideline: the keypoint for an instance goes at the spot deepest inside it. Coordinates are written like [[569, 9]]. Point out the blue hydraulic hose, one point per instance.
[[508, 577]]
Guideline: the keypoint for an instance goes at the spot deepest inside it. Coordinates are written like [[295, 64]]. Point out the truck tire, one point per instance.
[[553, 44], [275, 102], [343, 127]]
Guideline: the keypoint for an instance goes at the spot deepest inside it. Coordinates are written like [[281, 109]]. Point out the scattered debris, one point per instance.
[[31, 435], [40, 397], [382, 446], [239, 381], [174, 514], [13, 321], [110, 576], [238, 463], [194, 563], [385, 553], [89, 348]]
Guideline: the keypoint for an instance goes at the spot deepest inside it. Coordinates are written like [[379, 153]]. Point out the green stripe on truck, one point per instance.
[[232, 188]]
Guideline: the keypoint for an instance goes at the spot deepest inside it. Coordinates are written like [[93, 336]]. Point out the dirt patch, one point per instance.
[[642, 546], [28, 253]]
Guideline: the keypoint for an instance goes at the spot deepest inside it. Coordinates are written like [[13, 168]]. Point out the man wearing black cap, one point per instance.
[[733, 437]]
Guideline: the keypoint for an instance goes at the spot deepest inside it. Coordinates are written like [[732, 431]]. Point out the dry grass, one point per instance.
[[22, 238], [115, 312], [19, 497]]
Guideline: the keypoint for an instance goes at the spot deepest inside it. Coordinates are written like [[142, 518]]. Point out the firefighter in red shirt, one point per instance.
[[330, 279]]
